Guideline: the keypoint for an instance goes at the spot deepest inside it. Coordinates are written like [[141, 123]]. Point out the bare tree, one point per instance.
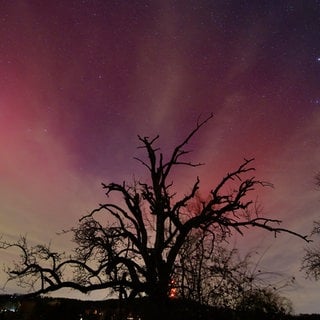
[[311, 259], [225, 279], [133, 246]]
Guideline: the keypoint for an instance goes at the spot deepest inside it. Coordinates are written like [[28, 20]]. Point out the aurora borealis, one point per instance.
[[81, 79]]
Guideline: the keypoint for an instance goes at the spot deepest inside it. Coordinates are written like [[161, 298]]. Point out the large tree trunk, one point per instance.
[[158, 290]]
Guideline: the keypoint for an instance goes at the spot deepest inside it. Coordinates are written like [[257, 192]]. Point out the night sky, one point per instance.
[[81, 79]]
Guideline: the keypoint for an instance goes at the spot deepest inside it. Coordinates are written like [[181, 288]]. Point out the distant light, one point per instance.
[[173, 290]]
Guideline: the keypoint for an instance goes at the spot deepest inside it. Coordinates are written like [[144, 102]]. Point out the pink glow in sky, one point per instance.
[[80, 79]]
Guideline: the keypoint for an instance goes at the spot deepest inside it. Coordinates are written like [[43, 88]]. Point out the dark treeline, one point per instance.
[[19, 308]]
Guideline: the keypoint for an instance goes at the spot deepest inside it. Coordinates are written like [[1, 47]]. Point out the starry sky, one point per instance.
[[81, 79]]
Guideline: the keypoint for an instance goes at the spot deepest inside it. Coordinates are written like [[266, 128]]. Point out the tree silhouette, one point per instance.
[[226, 279], [311, 259], [132, 243]]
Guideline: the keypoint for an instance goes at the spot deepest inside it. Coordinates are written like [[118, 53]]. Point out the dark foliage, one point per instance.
[[69, 309]]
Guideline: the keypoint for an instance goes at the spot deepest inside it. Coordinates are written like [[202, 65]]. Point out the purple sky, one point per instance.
[[80, 79]]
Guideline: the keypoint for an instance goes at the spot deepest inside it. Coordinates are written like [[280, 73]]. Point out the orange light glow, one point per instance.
[[173, 290]]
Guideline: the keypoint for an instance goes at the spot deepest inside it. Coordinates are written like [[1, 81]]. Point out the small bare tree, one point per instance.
[[220, 277], [311, 259], [133, 246]]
